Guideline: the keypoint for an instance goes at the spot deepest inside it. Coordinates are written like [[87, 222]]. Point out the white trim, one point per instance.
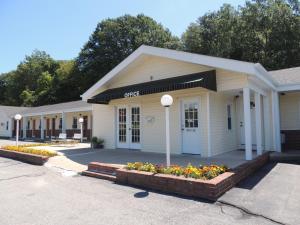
[[228, 64], [209, 149], [258, 124], [59, 111], [288, 87], [247, 122], [276, 122]]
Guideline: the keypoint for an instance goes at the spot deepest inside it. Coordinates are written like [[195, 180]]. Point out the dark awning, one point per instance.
[[205, 79]]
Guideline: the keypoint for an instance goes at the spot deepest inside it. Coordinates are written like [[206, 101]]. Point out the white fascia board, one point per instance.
[[264, 76], [58, 112], [289, 87], [221, 63]]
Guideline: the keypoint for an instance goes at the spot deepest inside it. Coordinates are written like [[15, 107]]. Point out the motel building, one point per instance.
[[219, 105], [48, 121]]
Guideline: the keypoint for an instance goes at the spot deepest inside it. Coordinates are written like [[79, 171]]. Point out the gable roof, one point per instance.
[[254, 69], [12, 110], [286, 76]]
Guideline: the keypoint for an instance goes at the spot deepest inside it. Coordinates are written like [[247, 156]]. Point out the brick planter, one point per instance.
[[24, 157], [207, 189]]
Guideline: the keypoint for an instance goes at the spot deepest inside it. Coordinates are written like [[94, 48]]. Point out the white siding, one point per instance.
[[3, 121], [224, 140], [103, 124], [157, 68], [290, 111], [227, 80]]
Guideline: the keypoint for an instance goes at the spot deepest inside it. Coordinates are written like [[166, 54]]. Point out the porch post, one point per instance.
[[276, 122], [42, 127], [247, 120], [63, 122], [24, 127], [258, 123], [267, 129], [209, 150]]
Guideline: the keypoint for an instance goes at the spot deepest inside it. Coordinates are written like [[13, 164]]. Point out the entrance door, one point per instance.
[[33, 128], [241, 123], [128, 127], [190, 126]]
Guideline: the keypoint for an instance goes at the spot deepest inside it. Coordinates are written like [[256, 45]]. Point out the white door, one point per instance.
[[190, 126], [241, 124], [128, 127]]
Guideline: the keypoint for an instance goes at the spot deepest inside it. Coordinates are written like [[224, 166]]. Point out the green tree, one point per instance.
[[265, 31], [214, 33], [115, 39]]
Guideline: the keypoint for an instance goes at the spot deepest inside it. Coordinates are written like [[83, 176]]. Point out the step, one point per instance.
[[99, 175], [285, 157]]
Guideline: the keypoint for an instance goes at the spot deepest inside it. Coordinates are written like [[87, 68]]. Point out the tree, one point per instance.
[[214, 33], [113, 40], [265, 31]]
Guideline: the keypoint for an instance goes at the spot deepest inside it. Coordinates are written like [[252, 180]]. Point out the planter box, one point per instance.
[[207, 189], [24, 157]]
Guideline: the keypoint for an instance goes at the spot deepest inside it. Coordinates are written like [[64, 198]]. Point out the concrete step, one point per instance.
[[99, 175], [293, 157]]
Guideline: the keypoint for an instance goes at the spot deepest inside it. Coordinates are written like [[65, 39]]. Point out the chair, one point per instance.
[[77, 136], [62, 136]]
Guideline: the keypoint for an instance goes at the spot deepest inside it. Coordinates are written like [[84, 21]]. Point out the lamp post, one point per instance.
[[81, 133], [18, 117], [167, 101]]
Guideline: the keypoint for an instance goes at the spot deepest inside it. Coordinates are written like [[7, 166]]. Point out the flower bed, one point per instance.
[[190, 171], [29, 150], [178, 180]]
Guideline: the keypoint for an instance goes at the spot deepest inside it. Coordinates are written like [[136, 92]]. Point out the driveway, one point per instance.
[[273, 192], [38, 195]]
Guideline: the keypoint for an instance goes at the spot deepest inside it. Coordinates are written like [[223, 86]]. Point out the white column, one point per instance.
[[42, 127], [63, 122], [267, 128], [24, 127], [247, 121], [209, 150], [276, 122], [258, 123]]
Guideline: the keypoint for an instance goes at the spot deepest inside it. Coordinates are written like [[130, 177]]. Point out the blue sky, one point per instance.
[[61, 27]]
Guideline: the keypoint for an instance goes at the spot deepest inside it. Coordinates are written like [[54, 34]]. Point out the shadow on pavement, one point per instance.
[[255, 178]]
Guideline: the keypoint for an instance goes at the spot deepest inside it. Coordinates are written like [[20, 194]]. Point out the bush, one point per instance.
[[201, 172], [97, 142], [27, 149]]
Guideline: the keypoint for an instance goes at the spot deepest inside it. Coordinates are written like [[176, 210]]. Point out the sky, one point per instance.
[[62, 27]]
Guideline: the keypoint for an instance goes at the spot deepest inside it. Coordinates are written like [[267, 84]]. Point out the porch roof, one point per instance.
[[205, 79]]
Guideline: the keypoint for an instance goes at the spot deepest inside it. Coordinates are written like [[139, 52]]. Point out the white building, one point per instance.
[[48, 121], [6, 122], [219, 104]]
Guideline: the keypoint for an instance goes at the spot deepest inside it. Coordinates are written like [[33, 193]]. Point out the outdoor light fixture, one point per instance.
[[18, 117], [80, 120], [167, 101]]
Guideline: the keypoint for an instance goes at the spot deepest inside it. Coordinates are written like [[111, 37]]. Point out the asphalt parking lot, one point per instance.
[[38, 195]]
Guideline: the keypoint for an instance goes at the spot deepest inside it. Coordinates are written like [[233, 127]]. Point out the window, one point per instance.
[[28, 125], [40, 125], [7, 125], [74, 125], [60, 123], [229, 122]]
